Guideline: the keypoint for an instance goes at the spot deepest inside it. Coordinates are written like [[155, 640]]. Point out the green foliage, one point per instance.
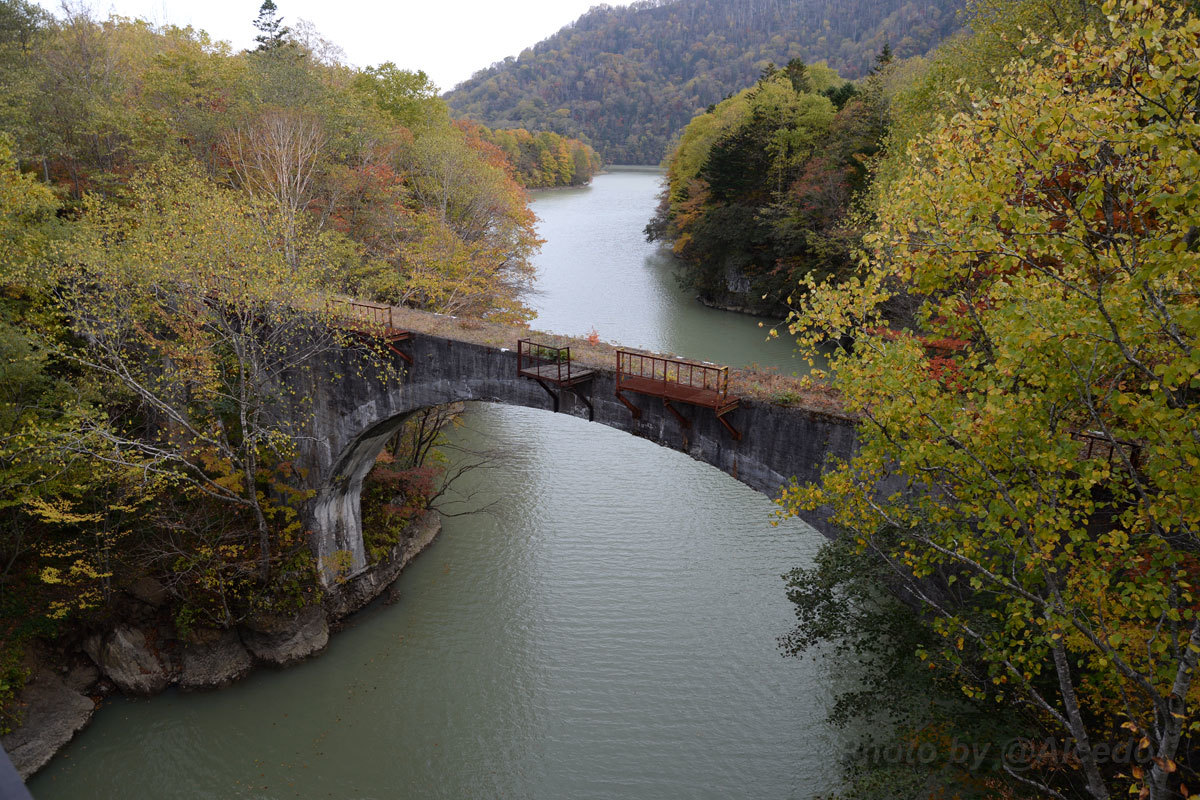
[[272, 33], [849, 612], [351, 155], [12, 679], [759, 188], [391, 500], [407, 97], [1034, 441], [404, 481], [922, 90], [544, 160], [21, 25], [626, 79], [28, 223], [146, 327]]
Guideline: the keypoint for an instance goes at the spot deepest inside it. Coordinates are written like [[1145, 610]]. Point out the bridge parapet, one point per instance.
[[354, 412]]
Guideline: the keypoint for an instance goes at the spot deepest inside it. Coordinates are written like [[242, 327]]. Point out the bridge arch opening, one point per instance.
[[355, 413]]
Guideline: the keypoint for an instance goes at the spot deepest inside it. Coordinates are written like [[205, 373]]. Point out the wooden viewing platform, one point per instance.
[[373, 320], [676, 380], [552, 367]]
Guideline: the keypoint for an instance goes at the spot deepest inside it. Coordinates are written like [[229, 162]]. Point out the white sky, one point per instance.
[[449, 39]]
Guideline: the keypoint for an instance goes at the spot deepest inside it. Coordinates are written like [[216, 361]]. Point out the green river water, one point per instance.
[[606, 630]]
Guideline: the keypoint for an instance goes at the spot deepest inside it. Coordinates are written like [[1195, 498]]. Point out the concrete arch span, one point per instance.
[[354, 414]]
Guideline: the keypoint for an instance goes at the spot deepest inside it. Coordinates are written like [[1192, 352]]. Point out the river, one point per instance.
[[606, 630], [597, 272]]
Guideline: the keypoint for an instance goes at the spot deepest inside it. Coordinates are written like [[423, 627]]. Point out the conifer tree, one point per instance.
[[272, 33]]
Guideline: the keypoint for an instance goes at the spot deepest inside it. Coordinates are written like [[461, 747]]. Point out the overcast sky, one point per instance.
[[449, 39]]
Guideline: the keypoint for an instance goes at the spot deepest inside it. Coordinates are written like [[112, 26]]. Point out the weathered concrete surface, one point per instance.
[[354, 413]]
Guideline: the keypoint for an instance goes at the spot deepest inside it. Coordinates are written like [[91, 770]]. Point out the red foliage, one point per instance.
[[941, 353], [407, 491]]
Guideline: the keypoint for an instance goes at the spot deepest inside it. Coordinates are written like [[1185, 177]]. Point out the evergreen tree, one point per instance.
[[797, 72], [882, 59], [272, 33]]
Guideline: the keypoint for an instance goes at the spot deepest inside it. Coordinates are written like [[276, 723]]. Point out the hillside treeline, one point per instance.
[[626, 79], [759, 188], [544, 160], [781, 180]]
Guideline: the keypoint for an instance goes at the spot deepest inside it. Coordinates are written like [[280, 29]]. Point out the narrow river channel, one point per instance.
[[606, 630]]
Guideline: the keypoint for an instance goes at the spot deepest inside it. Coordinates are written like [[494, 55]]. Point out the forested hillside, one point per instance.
[[627, 79], [543, 160], [759, 187], [173, 217]]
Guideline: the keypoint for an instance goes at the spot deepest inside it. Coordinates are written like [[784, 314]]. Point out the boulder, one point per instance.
[[149, 591], [51, 713], [212, 659], [127, 658], [82, 675], [281, 640]]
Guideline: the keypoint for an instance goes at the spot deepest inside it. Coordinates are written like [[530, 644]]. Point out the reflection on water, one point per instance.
[[596, 270], [608, 632]]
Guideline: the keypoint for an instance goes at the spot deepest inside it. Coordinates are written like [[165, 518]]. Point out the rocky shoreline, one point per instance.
[[142, 656]]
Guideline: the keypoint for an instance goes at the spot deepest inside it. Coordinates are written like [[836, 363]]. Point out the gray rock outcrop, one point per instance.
[[127, 658], [359, 591], [52, 713], [212, 659], [280, 641]]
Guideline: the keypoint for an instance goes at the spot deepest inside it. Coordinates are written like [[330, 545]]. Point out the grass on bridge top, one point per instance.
[[763, 384]]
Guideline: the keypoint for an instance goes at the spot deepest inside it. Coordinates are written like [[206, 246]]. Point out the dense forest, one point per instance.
[[544, 160], [759, 188], [627, 79], [1014, 326], [172, 214]]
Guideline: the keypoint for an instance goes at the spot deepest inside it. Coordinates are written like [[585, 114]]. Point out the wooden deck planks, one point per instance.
[[709, 398]]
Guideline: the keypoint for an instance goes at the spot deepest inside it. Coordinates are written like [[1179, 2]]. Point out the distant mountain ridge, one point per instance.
[[626, 79]]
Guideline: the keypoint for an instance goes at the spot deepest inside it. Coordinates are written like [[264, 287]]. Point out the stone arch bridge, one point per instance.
[[355, 412]]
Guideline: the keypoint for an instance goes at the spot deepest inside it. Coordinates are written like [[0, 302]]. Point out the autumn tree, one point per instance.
[[31, 395], [1029, 454], [188, 307], [211, 197], [760, 187], [407, 97], [467, 247], [276, 158]]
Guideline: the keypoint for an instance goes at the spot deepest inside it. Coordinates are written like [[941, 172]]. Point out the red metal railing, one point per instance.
[[543, 361], [675, 377], [375, 320]]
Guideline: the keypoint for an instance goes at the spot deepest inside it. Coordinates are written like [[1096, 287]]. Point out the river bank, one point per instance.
[[143, 652], [607, 628]]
